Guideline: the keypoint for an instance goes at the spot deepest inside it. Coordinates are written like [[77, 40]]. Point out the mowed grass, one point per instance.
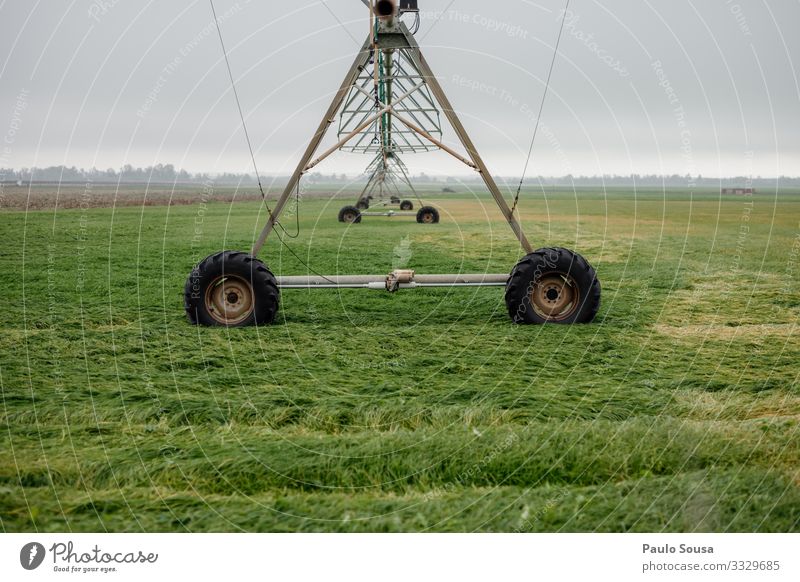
[[677, 410]]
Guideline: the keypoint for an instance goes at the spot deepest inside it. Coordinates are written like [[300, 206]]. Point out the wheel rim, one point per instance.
[[427, 217], [349, 217], [555, 296], [229, 300]]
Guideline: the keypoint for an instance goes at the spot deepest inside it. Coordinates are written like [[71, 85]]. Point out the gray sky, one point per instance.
[[670, 86]]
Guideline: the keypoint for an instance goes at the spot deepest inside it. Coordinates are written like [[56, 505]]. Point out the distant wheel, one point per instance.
[[362, 204], [553, 285], [394, 200], [231, 289], [406, 205], [428, 215], [350, 214]]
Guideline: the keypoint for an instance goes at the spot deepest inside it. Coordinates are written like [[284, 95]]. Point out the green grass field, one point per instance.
[[677, 410]]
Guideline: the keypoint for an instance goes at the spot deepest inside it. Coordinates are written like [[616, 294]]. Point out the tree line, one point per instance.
[[167, 173]]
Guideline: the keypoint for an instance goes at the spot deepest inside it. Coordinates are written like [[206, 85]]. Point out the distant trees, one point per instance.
[[168, 174], [643, 180], [160, 173]]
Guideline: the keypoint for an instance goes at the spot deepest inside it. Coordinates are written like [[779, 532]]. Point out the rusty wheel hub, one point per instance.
[[230, 300], [555, 296]]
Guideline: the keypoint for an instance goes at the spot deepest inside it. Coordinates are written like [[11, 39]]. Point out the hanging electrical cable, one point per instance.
[[253, 157], [236, 96], [541, 108]]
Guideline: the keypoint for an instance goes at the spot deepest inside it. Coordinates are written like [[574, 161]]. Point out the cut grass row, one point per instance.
[[248, 460], [740, 500]]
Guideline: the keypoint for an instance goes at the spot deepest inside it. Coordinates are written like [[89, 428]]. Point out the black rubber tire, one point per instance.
[[406, 205], [425, 211], [362, 204], [350, 211], [552, 261], [213, 269]]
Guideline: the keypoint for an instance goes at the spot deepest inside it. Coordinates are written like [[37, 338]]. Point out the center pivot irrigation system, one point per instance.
[[411, 125], [388, 103], [385, 171]]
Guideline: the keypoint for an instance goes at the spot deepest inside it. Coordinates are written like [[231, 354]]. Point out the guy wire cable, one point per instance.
[[541, 108], [253, 157]]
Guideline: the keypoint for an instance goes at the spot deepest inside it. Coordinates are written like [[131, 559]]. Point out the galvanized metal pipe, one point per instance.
[[379, 281], [388, 213], [386, 11]]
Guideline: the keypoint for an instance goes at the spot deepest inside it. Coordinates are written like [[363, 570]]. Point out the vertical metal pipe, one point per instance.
[[386, 10], [388, 56]]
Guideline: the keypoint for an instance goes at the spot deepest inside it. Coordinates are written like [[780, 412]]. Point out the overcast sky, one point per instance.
[[667, 86]]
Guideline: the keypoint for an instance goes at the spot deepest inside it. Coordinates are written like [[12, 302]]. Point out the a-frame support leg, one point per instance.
[[364, 191], [367, 191], [472, 151], [330, 116]]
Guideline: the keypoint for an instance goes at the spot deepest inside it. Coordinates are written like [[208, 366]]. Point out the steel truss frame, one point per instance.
[[385, 174], [400, 38], [396, 73]]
